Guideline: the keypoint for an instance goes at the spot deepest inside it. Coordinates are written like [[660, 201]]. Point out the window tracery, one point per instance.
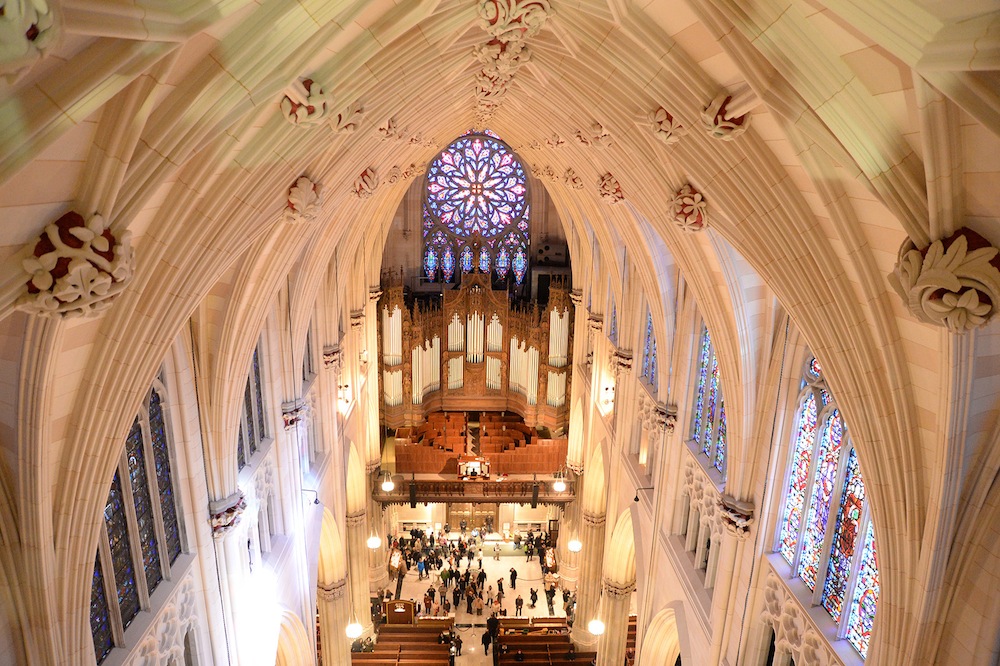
[[708, 428], [648, 352], [252, 427], [476, 210]]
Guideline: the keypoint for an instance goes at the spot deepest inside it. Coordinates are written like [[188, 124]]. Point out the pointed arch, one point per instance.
[[332, 555], [665, 641], [595, 484], [619, 557], [356, 499], [294, 648]]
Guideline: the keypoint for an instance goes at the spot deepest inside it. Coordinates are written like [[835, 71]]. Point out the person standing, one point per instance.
[[457, 642], [487, 639], [513, 578], [534, 597], [499, 585], [496, 552], [518, 605]]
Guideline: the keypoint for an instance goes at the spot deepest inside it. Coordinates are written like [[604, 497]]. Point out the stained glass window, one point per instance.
[[845, 537], [259, 390], [720, 445], [652, 366], [249, 420], [699, 404], [241, 456], [121, 553], [100, 621], [647, 347], [827, 457], [164, 482], [613, 328], [849, 588], [708, 429], [143, 506], [476, 210], [862, 613], [798, 477]]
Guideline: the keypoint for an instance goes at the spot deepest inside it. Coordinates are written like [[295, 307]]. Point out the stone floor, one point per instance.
[[529, 575]]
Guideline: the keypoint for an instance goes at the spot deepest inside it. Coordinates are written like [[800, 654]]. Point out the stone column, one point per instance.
[[615, 607], [569, 528], [588, 587], [357, 564], [378, 559], [737, 517], [231, 558], [334, 609]]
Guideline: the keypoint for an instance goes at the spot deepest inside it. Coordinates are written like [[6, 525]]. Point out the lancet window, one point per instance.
[[252, 426], [476, 210], [649, 353], [141, 538], [825, 532], [708, 427]]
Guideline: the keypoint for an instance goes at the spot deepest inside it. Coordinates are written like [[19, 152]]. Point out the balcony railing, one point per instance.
[[478, 492]]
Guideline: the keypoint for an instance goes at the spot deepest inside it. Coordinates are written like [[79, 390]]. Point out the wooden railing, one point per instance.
[[480, 492]]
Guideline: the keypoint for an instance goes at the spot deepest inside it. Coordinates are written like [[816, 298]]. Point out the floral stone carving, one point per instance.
[[305, 103], [303, 201], [611, 191], [348, 120], [27, 29], [572, 180], [365, 184], [954, 282], [224, 520], [76, 267], [666, 128], [510, 20], [718, 124], [689, 209]]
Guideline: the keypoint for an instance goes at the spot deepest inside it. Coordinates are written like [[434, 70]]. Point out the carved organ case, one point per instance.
[[475, 352]]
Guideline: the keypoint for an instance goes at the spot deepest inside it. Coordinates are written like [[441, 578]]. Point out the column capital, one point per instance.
[[332, 357], [621, 361], [293, 412], [575, 467], [665, 419], [356, 518], [595, 322], [357, 319], [736, 515], [333, 591], [372, 465], [615, 589], [374, 293], [593, 519], [576, 296], [224, 515]]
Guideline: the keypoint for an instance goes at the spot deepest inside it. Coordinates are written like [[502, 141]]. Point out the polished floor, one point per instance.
[[471, 627]]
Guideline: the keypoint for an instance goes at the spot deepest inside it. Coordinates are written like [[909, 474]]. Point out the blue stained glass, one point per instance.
[[143, 506], [503, 262], [121, 553], [520, 265], [164, 480], [865, 599], [465, 259], [720, 446], [815, 369], [248, 414], [613, 332], [646, 346], [713, 395], [798, 478], [241, 455], [845, 537], [100, 621], [262, 431], [448, 264], [699, 404], [652, 366], [828, 455], [484, 260], [430, 263]]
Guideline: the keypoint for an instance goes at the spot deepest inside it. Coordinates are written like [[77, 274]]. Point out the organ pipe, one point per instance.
[[558, 337]]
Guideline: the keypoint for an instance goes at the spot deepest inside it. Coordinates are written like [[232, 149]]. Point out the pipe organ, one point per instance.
[[475, 351]]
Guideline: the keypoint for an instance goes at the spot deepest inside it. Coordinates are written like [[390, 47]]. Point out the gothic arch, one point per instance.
[[357, 499], [595, 484], [664, 641], [619, 555], [332, 555]]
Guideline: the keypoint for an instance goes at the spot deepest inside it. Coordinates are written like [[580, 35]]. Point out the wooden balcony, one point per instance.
[[478, 492]]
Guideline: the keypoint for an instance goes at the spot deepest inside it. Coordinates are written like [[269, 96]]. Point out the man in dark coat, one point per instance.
[[487, 639]]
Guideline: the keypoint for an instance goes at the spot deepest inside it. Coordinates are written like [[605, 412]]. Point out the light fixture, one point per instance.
[[575, 545], [354, 630], [636, 498], [374, 541], [388, 485], [595, 626], [559, 484]]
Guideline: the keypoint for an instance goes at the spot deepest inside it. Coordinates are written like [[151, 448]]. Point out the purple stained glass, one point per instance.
[[164, 478], [814, 367], [798, 478], [652, 366], [647, 345], [136, 457], [720, 445], [865, 600], [827, 457], [430, 263], [484, 260], [519, 265], [121, 552], [699, 404], [448, 264], [465, 259], [100, 622], [845, 538]]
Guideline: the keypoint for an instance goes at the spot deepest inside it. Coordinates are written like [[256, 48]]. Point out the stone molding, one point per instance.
[[593, 519], [372, 465], [794, 631], [688, 209], [595, 322], [618, 590], [374, 293], [737, 516], [954, 282], [357, 319], [163, 640], [305, 104], [717, 122], [390, 129], [76, 268], [572, 181], [27, 29], [575, 467], [225, 515], [610, 190], [355, 519], [294, 412], [366, 183], [621, 361], [398, 173], [332, 592], [666, 128], [576, 297], [304, 201], [597, 135]]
